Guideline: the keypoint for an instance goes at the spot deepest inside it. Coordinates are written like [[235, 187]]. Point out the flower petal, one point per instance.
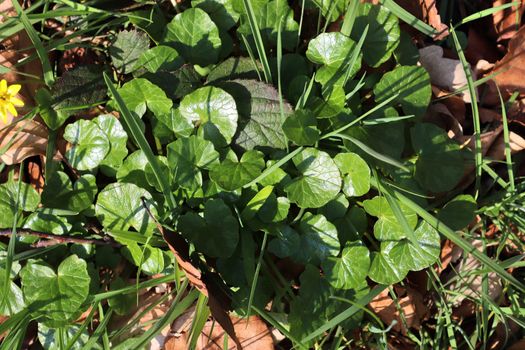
[[3, 87], [16, 101], [13, 89], [11, 109], [3, 114]]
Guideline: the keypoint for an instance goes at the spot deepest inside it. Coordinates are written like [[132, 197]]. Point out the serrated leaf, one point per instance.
[[121, 206], [301, 128], [383, 32], [89, 144], [54, 298], [349, 270], [186, 158], [140, 94], [127, 48], [411, 83], [231, 175], [356, 174], [215, 233], [387, 227], [319, 182], [195, 36], [214, 111]]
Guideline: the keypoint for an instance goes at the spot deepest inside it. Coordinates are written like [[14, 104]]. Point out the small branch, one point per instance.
[[61, 238]]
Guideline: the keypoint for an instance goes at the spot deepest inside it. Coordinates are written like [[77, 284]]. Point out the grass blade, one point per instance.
[[348, 22], [408, 18], [506, 138], [140, 140], [485, 13], [256, 274]]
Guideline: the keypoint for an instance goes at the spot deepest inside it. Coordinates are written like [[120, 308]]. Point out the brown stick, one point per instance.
[[62, 238]]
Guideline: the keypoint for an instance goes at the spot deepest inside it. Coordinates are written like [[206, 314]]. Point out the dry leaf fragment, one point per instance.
[[411, 305], [21, 140], [430, 13], [511, 69], [444, 72], [507, 21]]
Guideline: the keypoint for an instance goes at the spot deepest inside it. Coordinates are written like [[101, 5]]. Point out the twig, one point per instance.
[[61, 238]]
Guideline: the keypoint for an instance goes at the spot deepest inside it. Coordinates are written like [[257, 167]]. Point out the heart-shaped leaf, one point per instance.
[[387, 227], [319, 182], [54, 298], [459, 212], [139, 94], [89, 144], [356, 174], [318, 239], [231, 175], [60, 193], [159, 58], [301, 128], [349, 270], [118, 139]]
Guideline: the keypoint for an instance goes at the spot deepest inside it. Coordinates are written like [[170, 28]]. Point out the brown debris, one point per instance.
[[507, 21], [511, 69]]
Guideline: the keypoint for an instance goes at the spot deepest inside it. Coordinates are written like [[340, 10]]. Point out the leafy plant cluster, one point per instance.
[[261, 149]]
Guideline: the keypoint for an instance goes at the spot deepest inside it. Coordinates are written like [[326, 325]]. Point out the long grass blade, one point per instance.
[[140, 139], [506, 138], [409, 18], [485, 13], [257, 271]]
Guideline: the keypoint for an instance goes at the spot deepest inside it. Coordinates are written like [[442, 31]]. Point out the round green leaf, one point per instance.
[[214, 111], [133, 170], [140, 94], [216, 233], [54, 298], [220, 11], [440, 164], [318, 239], [384, 270], [117, 139], [301, 128], [49, 223], [231, 175], [89, 144], [127, 48], [120, 205], [186, 158], [414, 258], [286, 243], [383, 32], [160, 58], [330, 49], [349, 270], [320, 180], [459, 212], [356, 174], [60, 193], [195, 36], [12, 201], [411, 84], [387, 227]]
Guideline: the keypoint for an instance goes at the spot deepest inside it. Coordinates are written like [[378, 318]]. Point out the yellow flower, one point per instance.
[[8, 100]]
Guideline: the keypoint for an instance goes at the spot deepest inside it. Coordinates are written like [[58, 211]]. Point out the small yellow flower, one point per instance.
[[8, 100]]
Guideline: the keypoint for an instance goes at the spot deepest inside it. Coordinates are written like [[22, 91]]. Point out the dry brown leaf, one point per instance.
[[444, 72], [21, 140], [507, 21], [253, 334], [516, 142], [411, 304], [511, 69], [426, 11]]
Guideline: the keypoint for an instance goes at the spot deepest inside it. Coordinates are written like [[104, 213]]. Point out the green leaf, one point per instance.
[[356, 174], [195, 36], [383, 270], [349, 270], [301, 128], [231, 175], [132, 170], [176, 84], [318, 239], [235, 68], [214, 111], [319, 182], [412, 83], [440, 164], [459, 212], [150, 174], [89, 144], [406, 53], [330, 49], [159, 58], [27, 200], [414, 258], [51, 338], [13, 302], [139, 94], [220, 11], [58, 192], [118, 139], [331, 10], [123, 302], [76, 90], [120, 206], [260, 123], [387, 227], [40, 221], [286, 243], [55, 298], [187, 157], [127, 48], [215, 233], [383, 32]]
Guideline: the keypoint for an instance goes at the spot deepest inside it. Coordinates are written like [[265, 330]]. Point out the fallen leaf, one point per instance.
[[36, 176], [426, 11], [444, 72], [411, 304], [507, 21], [516, 142], [511, 69], [21, 140]]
